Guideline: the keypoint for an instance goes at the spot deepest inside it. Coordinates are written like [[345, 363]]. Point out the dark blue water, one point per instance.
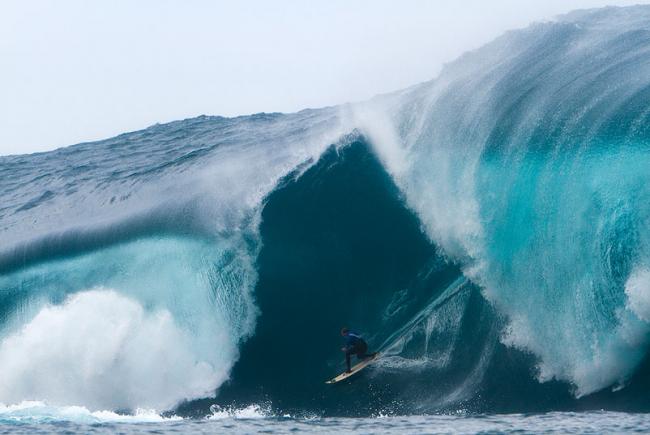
[[487, 231]]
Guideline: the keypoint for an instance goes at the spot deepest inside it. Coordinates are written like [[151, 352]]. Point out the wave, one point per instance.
[[169, 230], [475, 227], [527, 162]]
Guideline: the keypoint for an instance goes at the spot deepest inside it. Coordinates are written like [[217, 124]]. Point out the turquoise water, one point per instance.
[[487, 231]]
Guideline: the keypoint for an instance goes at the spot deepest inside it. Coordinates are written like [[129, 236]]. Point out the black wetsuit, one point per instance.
[[355, 345]]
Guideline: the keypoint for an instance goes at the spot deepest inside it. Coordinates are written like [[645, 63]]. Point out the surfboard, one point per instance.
[[354, 370]]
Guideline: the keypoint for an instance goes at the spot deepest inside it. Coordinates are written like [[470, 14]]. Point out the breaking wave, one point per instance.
[[487, 230]]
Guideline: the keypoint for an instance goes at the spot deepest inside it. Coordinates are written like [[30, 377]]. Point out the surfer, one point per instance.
[[354, 345]]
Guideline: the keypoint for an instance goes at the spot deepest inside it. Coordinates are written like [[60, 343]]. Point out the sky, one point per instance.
[[76, 70]]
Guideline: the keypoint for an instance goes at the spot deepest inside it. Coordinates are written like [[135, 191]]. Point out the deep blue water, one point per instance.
[[488, 231]]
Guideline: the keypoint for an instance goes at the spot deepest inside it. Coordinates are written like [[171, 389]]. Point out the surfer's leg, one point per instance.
[[362, 350], [347, 360], [363, 356]]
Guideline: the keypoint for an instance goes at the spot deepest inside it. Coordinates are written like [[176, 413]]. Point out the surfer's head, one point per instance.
[[344, 331]]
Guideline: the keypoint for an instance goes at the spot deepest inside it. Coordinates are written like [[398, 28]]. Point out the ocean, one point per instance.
[[487, 231], [251, 421]]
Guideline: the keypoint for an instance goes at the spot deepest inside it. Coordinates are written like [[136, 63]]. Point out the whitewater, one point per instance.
[[487, 230]]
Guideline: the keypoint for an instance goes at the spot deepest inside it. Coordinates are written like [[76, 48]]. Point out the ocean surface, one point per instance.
[[488, 231], [251, 421]]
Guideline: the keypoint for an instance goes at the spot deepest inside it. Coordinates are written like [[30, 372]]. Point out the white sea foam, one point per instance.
[[103, 350], [40, 412], [249, 412], [637, 289]]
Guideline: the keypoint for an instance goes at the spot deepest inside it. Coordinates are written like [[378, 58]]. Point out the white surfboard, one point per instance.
[[355, 369]]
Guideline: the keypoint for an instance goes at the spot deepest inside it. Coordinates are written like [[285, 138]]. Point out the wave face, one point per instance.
[[527, 161], [487, 230]]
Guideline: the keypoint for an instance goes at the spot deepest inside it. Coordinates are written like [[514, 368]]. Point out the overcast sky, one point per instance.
[[77, 70]]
